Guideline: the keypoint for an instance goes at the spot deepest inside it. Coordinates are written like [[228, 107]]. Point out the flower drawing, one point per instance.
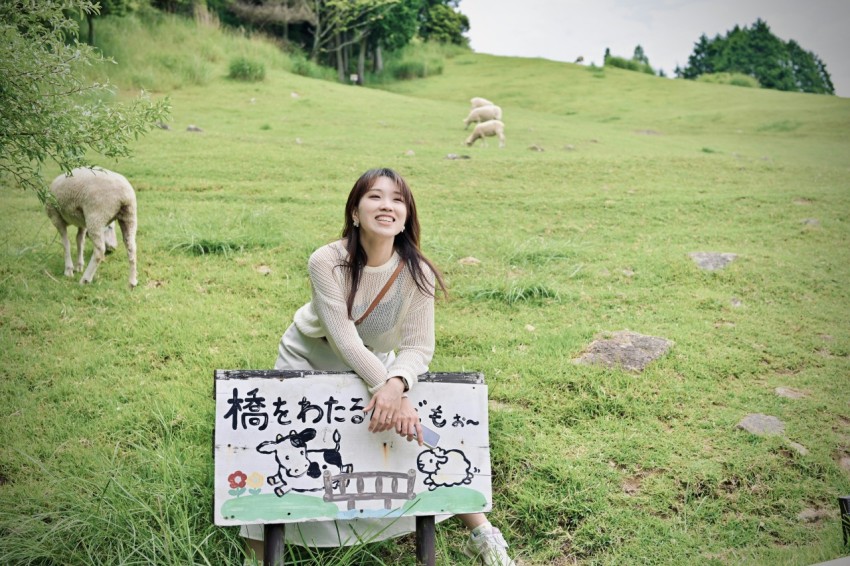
[[237, 483], [237, 479], [255, 480]]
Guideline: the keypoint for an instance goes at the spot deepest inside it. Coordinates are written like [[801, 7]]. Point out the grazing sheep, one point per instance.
[[92, 199], [482, 114], [444, 468], [478, 101], [488, 128]]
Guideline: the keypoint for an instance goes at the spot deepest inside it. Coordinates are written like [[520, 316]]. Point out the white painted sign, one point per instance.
[[295, 446]]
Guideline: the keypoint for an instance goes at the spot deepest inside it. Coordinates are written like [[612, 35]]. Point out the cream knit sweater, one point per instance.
[[402, 321]]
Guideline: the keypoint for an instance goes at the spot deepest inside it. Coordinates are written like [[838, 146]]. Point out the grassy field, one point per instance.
[[105, 452]]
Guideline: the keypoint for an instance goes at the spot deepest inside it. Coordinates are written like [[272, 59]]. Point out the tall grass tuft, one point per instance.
[[248, 70], [147, 503], [516, 293]]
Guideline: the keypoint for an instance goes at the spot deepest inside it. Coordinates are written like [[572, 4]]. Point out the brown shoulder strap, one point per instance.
[[382, 292]]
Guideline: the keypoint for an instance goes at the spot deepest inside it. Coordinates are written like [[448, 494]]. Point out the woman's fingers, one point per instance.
[[381, 420], [418, 429]]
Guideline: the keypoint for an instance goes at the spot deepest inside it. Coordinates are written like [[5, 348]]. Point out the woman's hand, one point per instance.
[[407, 421], [386, 403]]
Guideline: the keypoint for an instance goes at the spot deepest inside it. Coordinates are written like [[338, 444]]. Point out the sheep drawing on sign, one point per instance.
[[297, 470], [444, 468]]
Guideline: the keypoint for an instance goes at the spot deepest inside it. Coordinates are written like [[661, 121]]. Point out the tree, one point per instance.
[[47, 111], [756, 52], [640, 56], [440, 21], [106, 8], [271, 13], [394, 29]]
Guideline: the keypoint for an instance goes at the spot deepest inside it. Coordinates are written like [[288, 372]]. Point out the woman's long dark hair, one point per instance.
[[406, 243]]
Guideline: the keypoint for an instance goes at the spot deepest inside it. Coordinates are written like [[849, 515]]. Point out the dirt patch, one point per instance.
[[712, 261], [631, 486], [813, 515], [790, 393]]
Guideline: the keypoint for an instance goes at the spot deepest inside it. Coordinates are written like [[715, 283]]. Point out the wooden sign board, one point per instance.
[[294, 446]]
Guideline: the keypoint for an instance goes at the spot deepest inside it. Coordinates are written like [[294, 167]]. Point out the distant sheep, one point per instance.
[[488, 128], [482, 114], [91, 199], [444, 468], [478, 101]]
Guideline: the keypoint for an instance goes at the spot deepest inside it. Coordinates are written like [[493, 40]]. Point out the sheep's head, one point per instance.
[[430, 461]]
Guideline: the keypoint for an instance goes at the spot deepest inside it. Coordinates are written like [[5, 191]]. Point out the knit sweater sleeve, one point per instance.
[[329, 303], [417, 336]]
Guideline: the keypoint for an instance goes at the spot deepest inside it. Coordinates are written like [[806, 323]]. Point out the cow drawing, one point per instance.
[[300, 468]]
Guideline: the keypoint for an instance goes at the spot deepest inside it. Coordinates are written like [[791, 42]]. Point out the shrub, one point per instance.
[[244, 69], [629, 64], [735, 79], [306, 68], [417, 60]]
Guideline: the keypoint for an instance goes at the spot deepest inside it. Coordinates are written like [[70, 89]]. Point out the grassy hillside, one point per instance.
[[105, 449]]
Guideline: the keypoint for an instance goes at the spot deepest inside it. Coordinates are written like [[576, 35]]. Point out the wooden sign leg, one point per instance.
[[425, 539], [273, 545]]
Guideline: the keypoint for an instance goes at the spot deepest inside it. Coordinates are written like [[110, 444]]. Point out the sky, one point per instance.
[[563, 30]]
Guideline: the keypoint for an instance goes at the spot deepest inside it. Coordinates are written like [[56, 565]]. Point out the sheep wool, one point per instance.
[[488, 128], [402, 321], [91, 199]]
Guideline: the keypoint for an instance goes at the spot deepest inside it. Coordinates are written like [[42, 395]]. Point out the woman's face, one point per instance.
[[382, 211]]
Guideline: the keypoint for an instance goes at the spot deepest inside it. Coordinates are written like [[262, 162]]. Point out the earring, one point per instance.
[[402, 228], [356, 223]]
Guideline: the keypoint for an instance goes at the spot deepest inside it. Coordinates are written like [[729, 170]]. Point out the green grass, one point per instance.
[[105, 453]]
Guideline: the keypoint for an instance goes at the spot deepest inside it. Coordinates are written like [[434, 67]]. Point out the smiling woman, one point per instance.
[[372, 312]]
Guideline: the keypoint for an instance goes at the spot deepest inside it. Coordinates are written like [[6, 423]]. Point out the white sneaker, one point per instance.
[[489, 547]]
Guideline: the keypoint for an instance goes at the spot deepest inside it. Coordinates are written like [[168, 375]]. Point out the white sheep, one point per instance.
[[92, 199], [488, 128], [444, 468], [478, 101], [482, 114]]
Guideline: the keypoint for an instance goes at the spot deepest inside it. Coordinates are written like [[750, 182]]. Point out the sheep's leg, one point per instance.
[[128, 233], [81, 244], [62, 228], [501, 139], [98, 254]]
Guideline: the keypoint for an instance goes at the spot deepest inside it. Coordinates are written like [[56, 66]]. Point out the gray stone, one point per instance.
[[811, 222], [761, 425], [193, 128], [712, 261], [625, 349]]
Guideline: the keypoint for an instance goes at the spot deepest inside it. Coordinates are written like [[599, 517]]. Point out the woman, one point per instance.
[[344, 328]]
